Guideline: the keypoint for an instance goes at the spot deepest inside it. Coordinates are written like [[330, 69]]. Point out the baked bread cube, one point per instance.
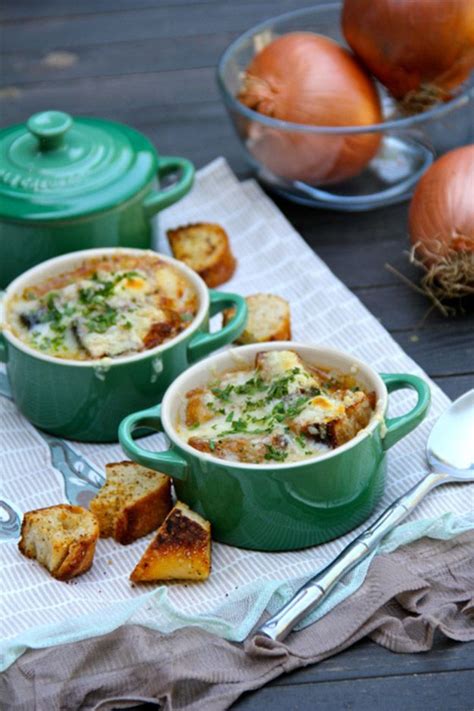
[[356, 417], [62, 538], [335, 418], [268, 319], [204, 247], [133, 501], [181, 549]]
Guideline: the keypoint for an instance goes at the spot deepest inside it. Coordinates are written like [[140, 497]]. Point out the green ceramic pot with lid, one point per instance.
[[69, 184]]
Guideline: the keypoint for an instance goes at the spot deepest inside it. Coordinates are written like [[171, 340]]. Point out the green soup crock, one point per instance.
[[86, 400], [70, 184], [278, 507]]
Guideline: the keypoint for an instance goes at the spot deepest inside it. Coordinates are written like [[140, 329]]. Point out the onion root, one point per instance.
[[452, 277], [425, 97]]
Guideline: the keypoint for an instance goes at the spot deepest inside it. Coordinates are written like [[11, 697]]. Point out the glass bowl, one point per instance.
[[408, 145]]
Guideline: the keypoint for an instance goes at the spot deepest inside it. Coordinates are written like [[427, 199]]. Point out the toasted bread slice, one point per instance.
[[335, 420], [204, 247], [181, 549], [268, 319], [357, 416], [62, 538], [133, 501]]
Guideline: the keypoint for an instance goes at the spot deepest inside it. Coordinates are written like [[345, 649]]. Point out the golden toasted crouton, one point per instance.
[[133, 501], [334, 420], [181, 549], [62, 538], [356, 417], [268, 319], [197, 411], [206, 249]]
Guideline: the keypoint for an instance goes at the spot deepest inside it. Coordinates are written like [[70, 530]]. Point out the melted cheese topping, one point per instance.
[[107, 307], [283, 410]]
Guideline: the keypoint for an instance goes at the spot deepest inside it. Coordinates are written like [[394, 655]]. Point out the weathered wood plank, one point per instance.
[[113, 59], [32, 9], [441, 350], [437, 692], [455, 386], [106, 96], [156, 22], [363, 661], [367, 660], [414, 311]]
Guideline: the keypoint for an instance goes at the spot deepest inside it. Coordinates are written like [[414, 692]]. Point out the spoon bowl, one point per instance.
[[450, 446]]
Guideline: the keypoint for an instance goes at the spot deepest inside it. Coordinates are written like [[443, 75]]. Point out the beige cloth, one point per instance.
[[406, 597]]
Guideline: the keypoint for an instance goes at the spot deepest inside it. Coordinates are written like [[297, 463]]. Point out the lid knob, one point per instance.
[[49, 127]]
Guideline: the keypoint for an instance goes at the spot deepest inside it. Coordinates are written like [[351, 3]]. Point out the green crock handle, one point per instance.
[[3, 349], [204, 343], [158, 200], [169, 462], [398, 427]]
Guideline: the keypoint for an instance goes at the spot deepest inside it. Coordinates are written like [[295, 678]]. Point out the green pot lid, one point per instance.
[[56, 167]]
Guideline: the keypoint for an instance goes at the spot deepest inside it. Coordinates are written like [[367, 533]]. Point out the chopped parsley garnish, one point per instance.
[[278, 455], [101, 321], [223, 394], [239, 425], [254, 404], [250, 387], [300, 441]]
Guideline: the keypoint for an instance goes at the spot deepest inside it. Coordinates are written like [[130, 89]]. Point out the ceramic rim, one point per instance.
[[178, 388], [56, 264]]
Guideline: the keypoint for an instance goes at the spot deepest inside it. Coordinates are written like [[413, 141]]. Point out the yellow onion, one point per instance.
[[441, 225], [309, 79], [419, 49]]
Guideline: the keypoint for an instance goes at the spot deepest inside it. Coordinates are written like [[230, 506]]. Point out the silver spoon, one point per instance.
[[450, 455]]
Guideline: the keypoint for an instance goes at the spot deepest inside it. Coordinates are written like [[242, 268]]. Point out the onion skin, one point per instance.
[[413, 46], [309, 79], [441, 216]]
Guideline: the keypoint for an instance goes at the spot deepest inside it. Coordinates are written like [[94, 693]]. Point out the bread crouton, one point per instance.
[[239, 449], [356, 417], [197, 411], [181, 549], [204, 247], [62, 538], [133, 501], [334, 420], [268, 319]]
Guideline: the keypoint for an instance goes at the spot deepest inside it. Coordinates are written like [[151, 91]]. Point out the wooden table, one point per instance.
[[151, 64]]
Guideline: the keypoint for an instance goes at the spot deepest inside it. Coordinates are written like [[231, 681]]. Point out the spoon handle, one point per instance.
[[317, 589]]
